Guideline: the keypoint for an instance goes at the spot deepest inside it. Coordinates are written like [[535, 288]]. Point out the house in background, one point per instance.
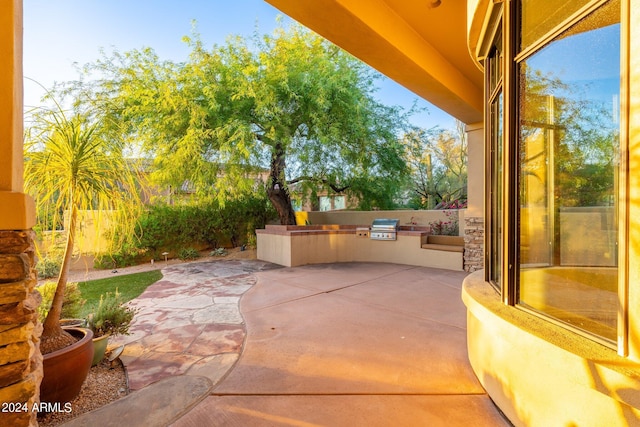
[[550, 95], [322, 200]]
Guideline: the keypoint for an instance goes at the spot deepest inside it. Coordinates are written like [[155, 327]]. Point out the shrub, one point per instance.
[[188, 253], [218, 252], [446, 228], [124, 257], [111, 316], [71, 306], [170, 228], [252, 239], [48, 267]]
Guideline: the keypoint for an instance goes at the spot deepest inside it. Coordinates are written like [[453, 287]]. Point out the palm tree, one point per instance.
[[71, 166]]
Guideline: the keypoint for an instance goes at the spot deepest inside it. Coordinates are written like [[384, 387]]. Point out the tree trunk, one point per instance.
[[53, 336], [277, 189]]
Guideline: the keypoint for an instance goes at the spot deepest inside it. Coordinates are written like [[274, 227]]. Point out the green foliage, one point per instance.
[[582, 151], [129, 286], [289, 102], [112, 316], [127, 255], [188, 253], [376, 194], [218, 252], [449, 227], [72, 164], [438, 162], [171, 228], [72, 304], [252, 240], [49, 266]]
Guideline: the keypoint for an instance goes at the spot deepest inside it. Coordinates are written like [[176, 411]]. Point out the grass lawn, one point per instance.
[[129, 285]]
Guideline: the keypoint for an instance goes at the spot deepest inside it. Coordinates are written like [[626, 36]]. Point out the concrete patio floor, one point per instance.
[[326, 345]]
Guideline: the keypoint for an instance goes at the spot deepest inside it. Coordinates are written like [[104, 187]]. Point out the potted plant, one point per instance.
[[112, 317], [71, 306], [66, 367], [71, 165]]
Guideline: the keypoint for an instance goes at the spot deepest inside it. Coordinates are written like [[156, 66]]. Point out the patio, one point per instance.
[[331, 344]]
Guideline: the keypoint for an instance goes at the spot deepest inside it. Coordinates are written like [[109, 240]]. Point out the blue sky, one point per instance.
[[59, 33]]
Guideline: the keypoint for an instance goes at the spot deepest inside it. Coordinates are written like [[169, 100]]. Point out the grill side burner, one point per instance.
[[384, 229]]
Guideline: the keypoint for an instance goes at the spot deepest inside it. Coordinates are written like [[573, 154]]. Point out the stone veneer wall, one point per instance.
[[473, 244], [20, 358]]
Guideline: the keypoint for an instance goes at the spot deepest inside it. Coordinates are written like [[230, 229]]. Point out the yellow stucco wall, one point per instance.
[[365, 218], [541, 374], [475, 170], [17, 211], [11, 96]]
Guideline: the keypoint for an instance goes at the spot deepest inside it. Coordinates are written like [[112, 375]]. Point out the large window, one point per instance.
[[568, 154], [495, 156], [553, 79], [332, 203]]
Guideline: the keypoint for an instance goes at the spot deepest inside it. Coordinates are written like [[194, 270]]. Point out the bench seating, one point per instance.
[[444, 243]]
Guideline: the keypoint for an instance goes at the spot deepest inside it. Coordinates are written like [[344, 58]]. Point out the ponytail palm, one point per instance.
[[70, 166]]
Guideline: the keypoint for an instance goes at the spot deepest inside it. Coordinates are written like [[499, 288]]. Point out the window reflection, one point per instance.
[[497, 160], [569, 142], [541, 16]]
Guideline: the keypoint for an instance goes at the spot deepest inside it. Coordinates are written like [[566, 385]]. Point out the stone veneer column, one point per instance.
[[20, 358], [474, 216], [473, 244]]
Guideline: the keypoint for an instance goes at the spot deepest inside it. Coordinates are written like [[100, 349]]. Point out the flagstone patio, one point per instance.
[[188, 322]]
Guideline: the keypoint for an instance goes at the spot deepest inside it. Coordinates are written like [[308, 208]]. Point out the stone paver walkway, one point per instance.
[[188, 322]]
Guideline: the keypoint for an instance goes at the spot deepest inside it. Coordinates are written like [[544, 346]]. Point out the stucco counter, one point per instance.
[[293, 246]]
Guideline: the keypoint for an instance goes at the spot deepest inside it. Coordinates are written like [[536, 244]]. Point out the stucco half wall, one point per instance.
[[293, 246], [541, 374]]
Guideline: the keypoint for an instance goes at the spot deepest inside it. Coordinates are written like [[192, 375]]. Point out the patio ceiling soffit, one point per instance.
[[377, 34]]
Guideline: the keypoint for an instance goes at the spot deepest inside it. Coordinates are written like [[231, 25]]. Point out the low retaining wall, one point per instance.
[[293, 246]]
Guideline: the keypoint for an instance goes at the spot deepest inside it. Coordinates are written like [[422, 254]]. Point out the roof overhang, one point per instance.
[[421, 44]]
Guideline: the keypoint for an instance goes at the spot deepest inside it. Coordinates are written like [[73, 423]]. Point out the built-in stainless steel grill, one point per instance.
[[384, 229]]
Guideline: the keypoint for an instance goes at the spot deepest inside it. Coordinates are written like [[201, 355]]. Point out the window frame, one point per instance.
[[494, 247], [505, 17]]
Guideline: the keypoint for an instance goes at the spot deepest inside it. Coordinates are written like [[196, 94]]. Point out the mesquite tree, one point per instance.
[[289, 102]]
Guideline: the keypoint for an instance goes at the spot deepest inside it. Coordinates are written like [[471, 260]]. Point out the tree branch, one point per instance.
[[332, 185]]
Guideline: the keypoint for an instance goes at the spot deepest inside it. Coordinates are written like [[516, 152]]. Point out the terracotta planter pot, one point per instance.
[[72, 323], [99, 348], [65, 370]]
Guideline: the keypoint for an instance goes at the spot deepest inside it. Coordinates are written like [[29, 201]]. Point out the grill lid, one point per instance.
[[385, 224]]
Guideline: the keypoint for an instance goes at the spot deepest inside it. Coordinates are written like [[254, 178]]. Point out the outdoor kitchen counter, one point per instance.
[[409, 230], [295, 245]]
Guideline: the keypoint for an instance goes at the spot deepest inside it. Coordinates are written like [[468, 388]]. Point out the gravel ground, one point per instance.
[[104, 384], [91, 274]]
